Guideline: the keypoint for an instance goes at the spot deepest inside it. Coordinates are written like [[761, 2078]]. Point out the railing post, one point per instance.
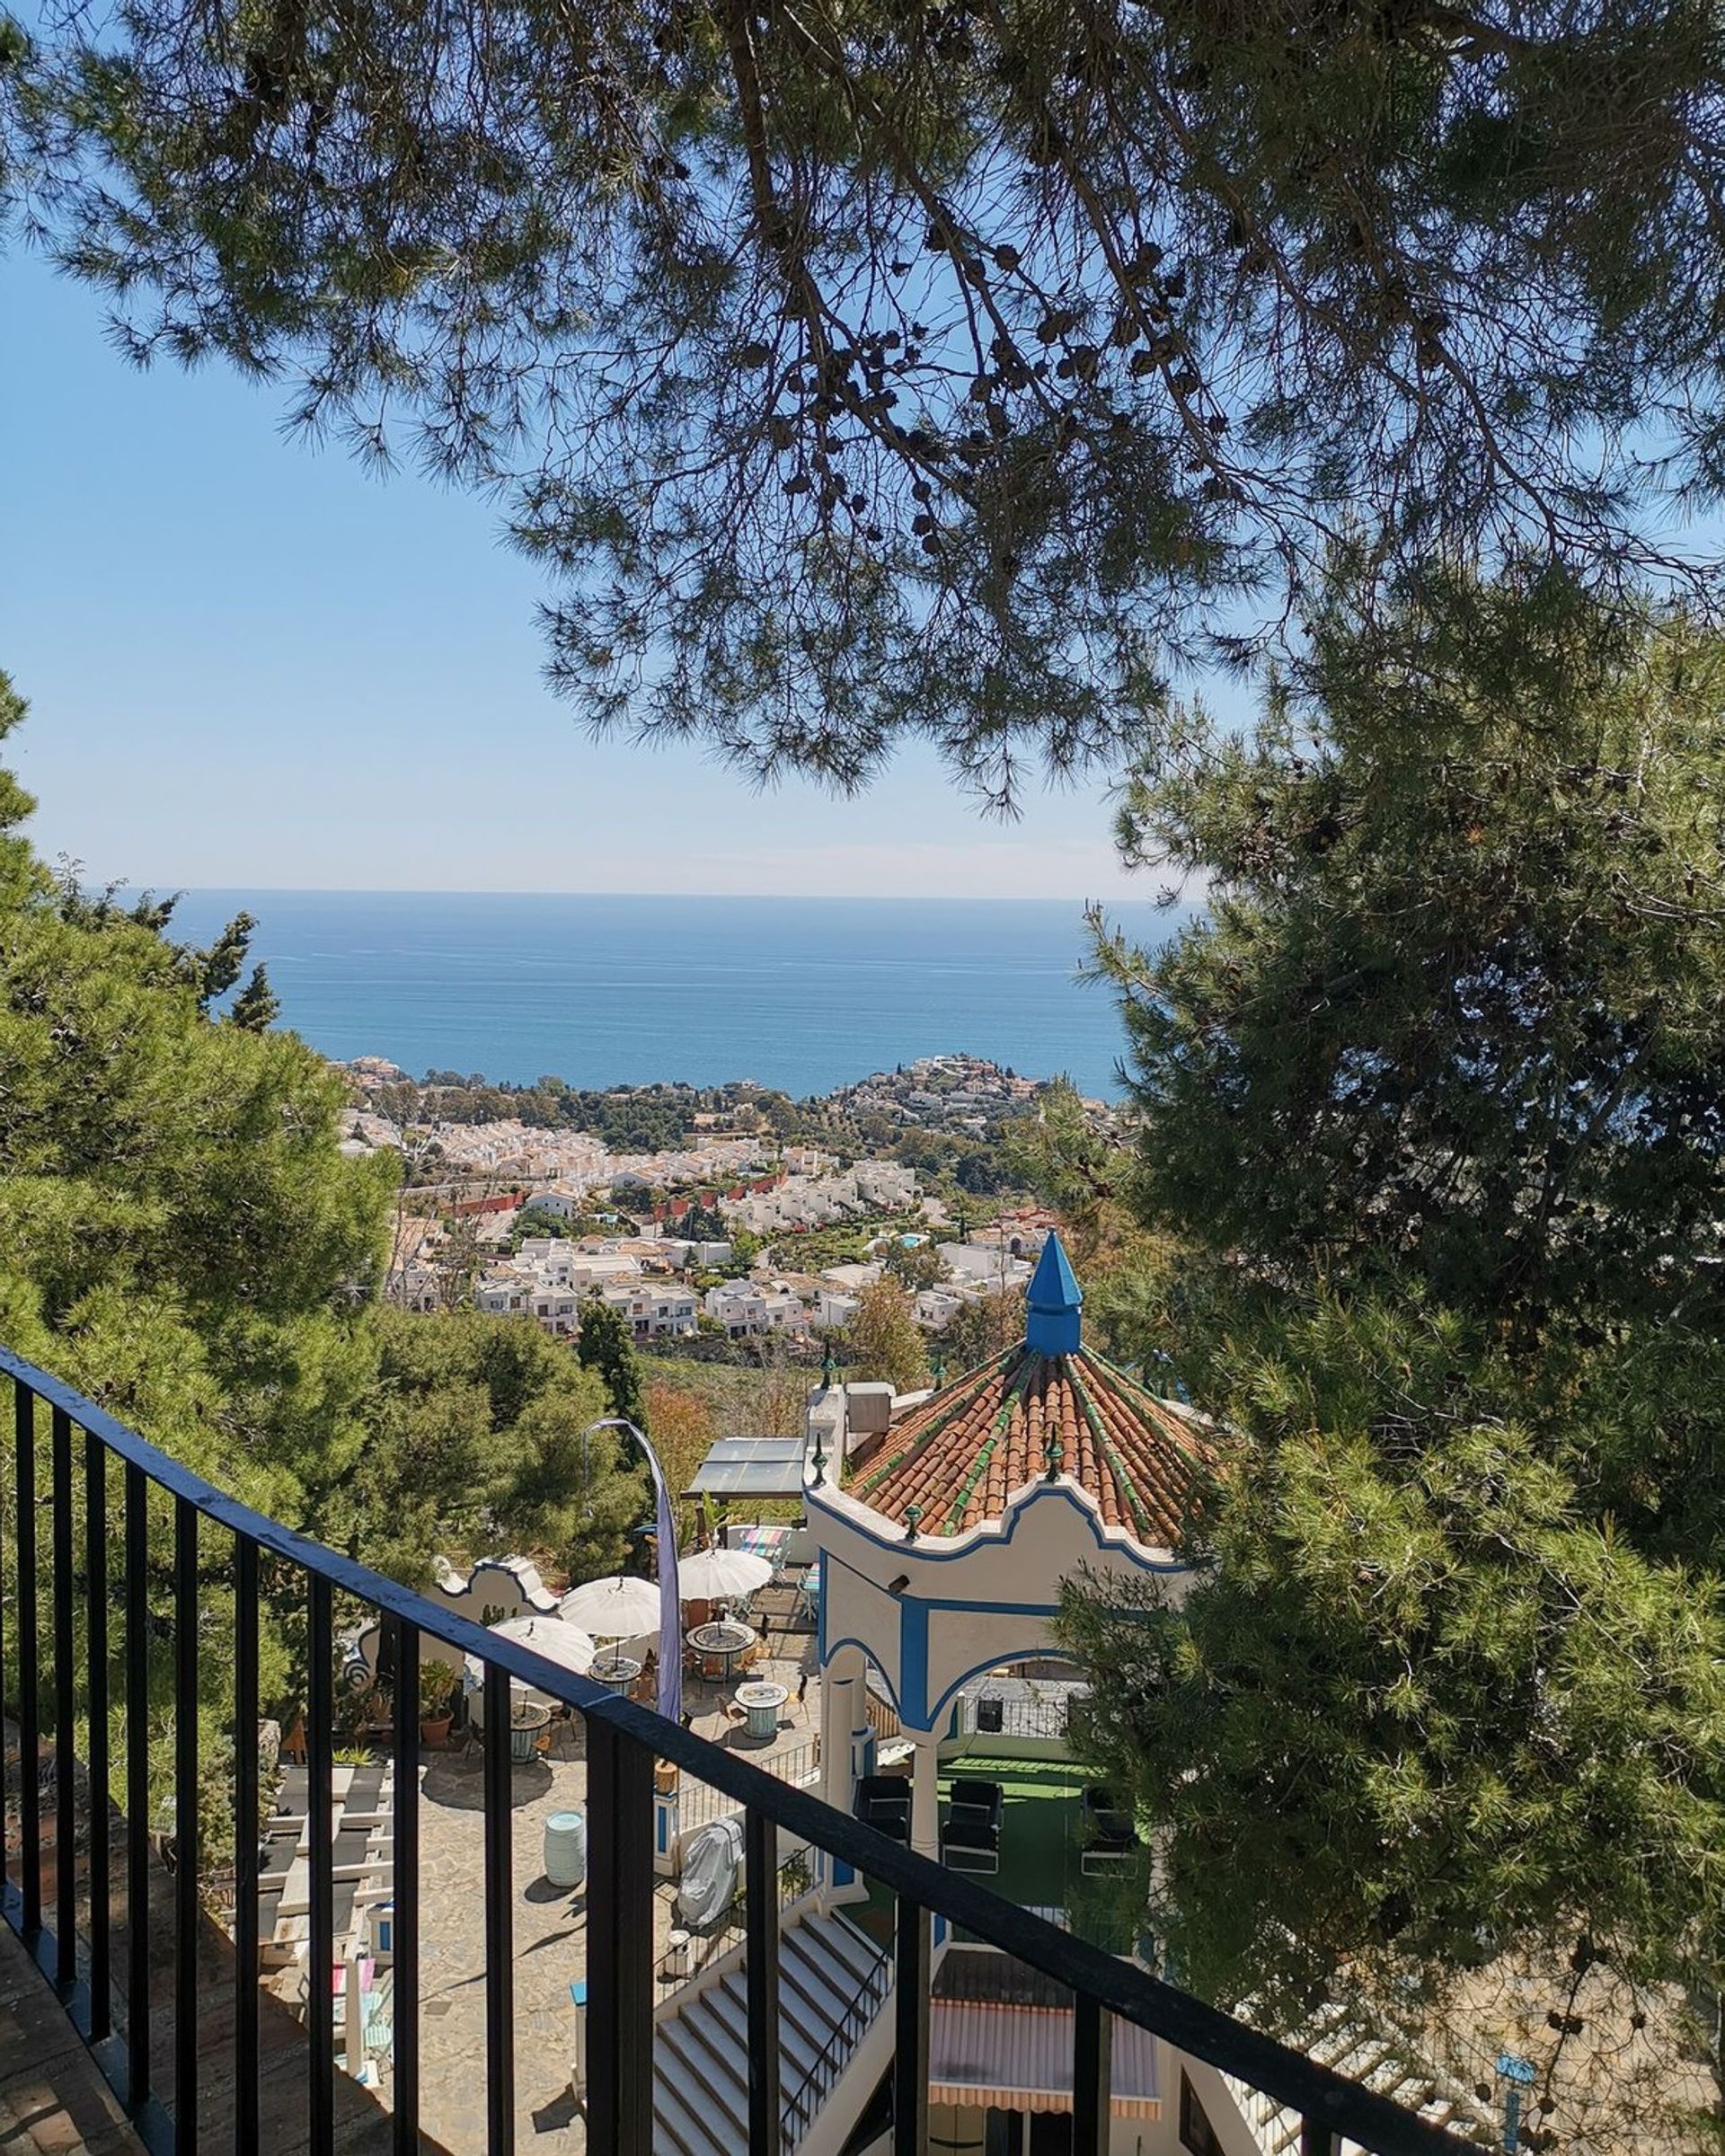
[[1316, 2139], [247, 1828], [321, 1866], [619, 1942], [500, 1969], [910, 2030], [1093, 2033], [29, 1733], [186, 1912], [760, 1973], [66, 1795], [95, 1565], [137, 1788], [405, 2016]]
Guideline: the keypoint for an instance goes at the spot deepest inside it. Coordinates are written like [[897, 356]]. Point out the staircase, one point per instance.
[[832, 1983], [1382, 2062]]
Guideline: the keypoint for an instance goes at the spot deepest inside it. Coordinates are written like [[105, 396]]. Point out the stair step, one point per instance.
[[708, 2048], [701, 2063], [795, 2012], [689, 2106], [826, 1996], [799, 2047], [675, 2131], [860, 1955], [821, 1951], [727, 2003]]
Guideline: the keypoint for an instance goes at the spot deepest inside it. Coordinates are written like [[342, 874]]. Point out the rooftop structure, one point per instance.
[[1046, 1410], [944, 1558]]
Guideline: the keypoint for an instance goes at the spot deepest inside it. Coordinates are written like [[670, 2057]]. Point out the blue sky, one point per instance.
[[251, 665]]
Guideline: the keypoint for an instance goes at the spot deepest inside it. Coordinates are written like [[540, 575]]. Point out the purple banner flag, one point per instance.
[[670, 1605]]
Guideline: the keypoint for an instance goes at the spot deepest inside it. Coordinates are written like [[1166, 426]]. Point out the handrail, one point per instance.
[[1106, 1982], [730, 1928], [816, 2085], [704, 1806]]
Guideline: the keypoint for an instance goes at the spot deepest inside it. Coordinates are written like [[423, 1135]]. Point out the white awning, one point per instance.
[[1019, 2058]]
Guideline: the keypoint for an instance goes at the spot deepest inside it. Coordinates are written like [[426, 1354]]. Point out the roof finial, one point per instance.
[[1053, 1302]]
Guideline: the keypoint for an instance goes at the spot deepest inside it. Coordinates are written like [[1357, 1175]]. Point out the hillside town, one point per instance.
[[737, 1233]]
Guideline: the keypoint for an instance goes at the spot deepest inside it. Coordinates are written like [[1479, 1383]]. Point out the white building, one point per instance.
[[556, 1309], [654, 1310], [416, 1286], [502, 1294], [833, 1307], [886, 1184], [984, 1265], [747, 1309]]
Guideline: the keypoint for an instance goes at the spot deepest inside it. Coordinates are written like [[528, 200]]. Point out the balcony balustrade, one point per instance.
[[86, 1894]]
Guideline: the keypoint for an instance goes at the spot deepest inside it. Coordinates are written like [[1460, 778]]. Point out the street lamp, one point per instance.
[[670, 1602]]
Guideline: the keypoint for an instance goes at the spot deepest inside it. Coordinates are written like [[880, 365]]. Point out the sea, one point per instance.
[[800, 993]]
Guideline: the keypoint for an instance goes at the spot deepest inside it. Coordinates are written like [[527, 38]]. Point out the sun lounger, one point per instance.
[[969, 1840], [1110, 1836], [883, 1802]]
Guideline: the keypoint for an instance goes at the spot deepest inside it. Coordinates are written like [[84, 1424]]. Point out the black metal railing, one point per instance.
[[803, 2106], [700, 1946], [698, 1804], [215, 1539], [1043, 1717]]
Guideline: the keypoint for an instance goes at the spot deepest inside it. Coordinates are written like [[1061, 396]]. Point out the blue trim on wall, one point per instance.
[[869, 1655], [1039, 1652], [913, 1660], [992, 1609]]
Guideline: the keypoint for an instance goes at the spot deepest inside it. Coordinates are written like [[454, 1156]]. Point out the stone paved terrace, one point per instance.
[[550, 1923], [52, 2095]]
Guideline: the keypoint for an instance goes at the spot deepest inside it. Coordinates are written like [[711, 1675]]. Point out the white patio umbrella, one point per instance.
[[720, 1575], [563, 1643], [614, 1608]]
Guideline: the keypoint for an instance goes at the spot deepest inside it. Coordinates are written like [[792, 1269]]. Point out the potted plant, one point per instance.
[[437, 1703]]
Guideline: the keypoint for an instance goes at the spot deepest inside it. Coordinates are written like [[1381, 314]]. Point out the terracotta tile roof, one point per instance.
[[976, 1444]]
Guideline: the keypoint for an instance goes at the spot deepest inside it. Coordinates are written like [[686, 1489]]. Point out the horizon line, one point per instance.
[[309, 891]]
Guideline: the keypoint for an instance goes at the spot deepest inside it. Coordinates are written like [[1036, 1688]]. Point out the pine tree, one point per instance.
[[951, 372], [257, 1007], [605, 1347], [215, 971], [1432, 1116]]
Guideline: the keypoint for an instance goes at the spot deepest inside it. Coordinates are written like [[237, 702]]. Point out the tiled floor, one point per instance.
[[52, 2095], [550, 1925]]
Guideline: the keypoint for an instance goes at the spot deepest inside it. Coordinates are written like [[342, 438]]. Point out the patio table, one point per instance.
[[528, 1721], [721, 1646], [761, 1701], [617, 1671]]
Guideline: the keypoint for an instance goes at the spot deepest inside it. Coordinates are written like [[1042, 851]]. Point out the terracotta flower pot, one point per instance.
[[434, 1734]]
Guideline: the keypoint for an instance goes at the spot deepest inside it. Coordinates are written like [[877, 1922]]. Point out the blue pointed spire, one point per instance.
[[1053, 1299]]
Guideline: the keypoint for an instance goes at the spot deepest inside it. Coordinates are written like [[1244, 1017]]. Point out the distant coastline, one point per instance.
[[800, 995]]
